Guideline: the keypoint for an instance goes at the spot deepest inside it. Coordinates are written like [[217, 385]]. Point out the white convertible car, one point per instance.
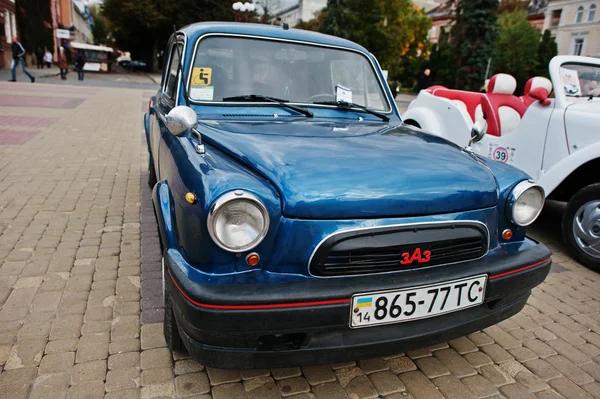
[[552, 132]]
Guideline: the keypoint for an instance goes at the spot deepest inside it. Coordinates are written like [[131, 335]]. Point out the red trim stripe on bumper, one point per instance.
[[315, 303], [265, 306], [508, 273]]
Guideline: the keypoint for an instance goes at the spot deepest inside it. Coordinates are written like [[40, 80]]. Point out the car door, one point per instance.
[[165, 101]]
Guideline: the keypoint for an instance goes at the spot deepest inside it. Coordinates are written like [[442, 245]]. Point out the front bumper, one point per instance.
[[301, 323]]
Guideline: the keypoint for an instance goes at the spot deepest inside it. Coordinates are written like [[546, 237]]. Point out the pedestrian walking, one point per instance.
[[62, 63], [79, 64], [424, 80], [18, 52], [48, 58], [39, 58]]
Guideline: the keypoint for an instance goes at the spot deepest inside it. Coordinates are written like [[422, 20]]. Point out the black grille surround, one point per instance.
[[382, 249]]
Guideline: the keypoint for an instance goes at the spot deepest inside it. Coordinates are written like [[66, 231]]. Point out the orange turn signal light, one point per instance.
[[252, 259], [190, 197], [507, 234]]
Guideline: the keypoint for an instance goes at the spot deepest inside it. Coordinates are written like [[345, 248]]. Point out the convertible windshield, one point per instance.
[[580, 80], [231, 67]]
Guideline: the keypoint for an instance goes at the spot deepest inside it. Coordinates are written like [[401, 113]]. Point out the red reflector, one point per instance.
[[494, 276]]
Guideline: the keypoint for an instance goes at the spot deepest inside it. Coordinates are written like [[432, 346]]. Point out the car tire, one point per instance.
[[151, 173], [581, 226], [172, 336]]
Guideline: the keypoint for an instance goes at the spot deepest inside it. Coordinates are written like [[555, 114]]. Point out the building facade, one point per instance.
[[300, 10], [8, 29], [575, 26]]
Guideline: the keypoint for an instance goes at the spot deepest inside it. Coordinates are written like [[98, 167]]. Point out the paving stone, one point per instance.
[[542, 369], [548, 394], [401, 364], [91, 390], [347, 374], [531, 381], [478, 359], [386, 383], [221, 376], [187, 366], [152, 336], [539, 348], [126, 378], [89, 371], [166, 390], [569, 351], [455, 363], [154, 358], [124, 345], [568, 389], [359, 387], [229, 391], [496, 353], [569, 370], [593, 369], [374, 365], [516, 391], [124, 360], [480, 386], [57, 363], [496, 375], [282, 373], [431, 367], [419, 386], [125, 327], [463, 345], [92, 347], [249, 374], [316, 374], [26, 353], [331, 390], [50, 386], [20, 376], [195, 383]]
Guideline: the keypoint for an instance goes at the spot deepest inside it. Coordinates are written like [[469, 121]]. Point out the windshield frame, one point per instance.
[[374, 67]]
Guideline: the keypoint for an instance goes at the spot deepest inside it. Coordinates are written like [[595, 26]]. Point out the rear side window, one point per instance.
[[173, 73]]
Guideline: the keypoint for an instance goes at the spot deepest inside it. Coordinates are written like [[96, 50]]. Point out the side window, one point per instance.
[[173, 72]]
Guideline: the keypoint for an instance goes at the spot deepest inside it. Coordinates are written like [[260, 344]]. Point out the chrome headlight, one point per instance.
[[525, 203], [238, 221]]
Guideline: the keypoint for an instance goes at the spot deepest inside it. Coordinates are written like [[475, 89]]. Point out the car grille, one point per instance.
[[388, 249]]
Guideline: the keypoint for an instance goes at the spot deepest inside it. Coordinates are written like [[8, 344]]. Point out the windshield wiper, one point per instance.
[[588, 96], [349, 106], [259, 98]]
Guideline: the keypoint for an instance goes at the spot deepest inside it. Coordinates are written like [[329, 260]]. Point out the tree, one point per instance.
[[474, 39], [144, 26], [100, 28], [442, 62], [517, 46], [546, 51], [395, 31]]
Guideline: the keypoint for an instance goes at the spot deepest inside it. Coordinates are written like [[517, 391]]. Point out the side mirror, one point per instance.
[[540, 94], [180, 119], [478, 131]]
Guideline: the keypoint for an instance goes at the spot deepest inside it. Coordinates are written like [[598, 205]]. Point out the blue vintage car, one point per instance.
[[302, 222]]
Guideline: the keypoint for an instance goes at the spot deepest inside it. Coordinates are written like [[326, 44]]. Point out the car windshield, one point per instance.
[[580, 80], [229, 67]]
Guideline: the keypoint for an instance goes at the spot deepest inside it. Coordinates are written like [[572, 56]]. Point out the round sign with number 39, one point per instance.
[[500, 154]]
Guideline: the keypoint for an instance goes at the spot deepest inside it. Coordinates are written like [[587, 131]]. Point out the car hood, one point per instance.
[[327, 170]]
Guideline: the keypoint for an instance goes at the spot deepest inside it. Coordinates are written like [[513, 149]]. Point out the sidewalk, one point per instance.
[[52, 75]]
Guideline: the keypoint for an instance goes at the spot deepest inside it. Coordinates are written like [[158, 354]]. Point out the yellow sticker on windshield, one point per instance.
[[201, 76]]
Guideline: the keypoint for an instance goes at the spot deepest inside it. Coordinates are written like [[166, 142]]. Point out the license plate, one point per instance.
[[386, 307]]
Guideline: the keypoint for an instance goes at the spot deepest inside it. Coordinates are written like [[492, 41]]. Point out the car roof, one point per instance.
[[193, 31]]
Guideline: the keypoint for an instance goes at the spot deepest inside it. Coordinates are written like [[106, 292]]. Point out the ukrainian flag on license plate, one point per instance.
[[364, 302]]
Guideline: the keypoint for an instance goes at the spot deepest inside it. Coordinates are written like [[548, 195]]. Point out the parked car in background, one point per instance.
[[133, 65], [302, 222], [554, 140]]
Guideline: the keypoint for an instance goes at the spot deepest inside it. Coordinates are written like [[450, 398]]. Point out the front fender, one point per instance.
[[562, 169], [163, 207]]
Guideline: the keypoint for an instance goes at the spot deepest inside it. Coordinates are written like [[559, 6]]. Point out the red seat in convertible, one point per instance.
[[503, 111], [468, 100], [537, 82]]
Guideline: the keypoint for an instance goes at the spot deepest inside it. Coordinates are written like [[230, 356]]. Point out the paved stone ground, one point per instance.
[[79, 272]]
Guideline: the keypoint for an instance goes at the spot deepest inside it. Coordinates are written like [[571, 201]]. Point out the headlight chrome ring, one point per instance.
[[525, 203], [238, 221]]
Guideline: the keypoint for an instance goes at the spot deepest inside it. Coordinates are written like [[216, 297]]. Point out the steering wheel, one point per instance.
[[325, 96]]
